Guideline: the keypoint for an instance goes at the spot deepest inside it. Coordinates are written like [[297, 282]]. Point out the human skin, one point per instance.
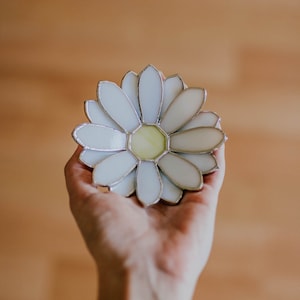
[[155, 252]]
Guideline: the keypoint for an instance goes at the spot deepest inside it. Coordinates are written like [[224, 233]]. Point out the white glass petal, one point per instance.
[[97, 115], [92, 157], [149, 184], [126, 186], [172, 87], [114, 168], [185, 106], [206, 162], [150, 94], [130, 87], [116, 103], [203, 119], [197, 140], [181, 172], [98, 137], [171, 193]]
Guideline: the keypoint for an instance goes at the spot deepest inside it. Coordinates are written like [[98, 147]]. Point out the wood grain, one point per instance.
[[245, 53]]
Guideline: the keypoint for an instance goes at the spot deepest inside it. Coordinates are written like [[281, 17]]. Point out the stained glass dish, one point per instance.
[[149, 136]]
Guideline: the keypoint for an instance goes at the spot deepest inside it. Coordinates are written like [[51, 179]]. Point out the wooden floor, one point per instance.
[[245, 53]]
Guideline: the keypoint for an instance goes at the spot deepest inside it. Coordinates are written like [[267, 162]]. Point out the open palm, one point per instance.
[[170, 244]]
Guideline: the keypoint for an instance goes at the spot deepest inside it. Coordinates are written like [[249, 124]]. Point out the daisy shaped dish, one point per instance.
[[149, 137]]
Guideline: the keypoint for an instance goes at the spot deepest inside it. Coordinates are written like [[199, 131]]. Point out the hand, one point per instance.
[[157, 252]]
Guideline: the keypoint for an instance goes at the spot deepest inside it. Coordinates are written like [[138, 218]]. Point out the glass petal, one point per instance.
[[97, 115], [116, 103], [98, 137], [91, 157], [184, 107], [181, 172], [149, 184], [172, 87], [206, 162], [130, 87], [150, 94], [171, 193], [203, 119], [126, 186], [114, 168], [197, 140]]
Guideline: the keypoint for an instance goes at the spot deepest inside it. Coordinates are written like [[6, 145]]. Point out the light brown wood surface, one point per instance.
[[245, 53]]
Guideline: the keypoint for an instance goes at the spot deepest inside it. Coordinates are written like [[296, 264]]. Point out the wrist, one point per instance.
[[142, 280], [112, 283], [126, 282]]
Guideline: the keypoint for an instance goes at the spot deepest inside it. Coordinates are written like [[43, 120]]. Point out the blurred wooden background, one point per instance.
[[245, 53]]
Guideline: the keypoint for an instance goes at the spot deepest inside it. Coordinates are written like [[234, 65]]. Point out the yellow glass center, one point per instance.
[[148, 142]]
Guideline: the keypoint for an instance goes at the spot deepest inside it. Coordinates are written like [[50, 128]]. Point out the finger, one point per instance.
[[78, 177], [215, 179], [208, 195]]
